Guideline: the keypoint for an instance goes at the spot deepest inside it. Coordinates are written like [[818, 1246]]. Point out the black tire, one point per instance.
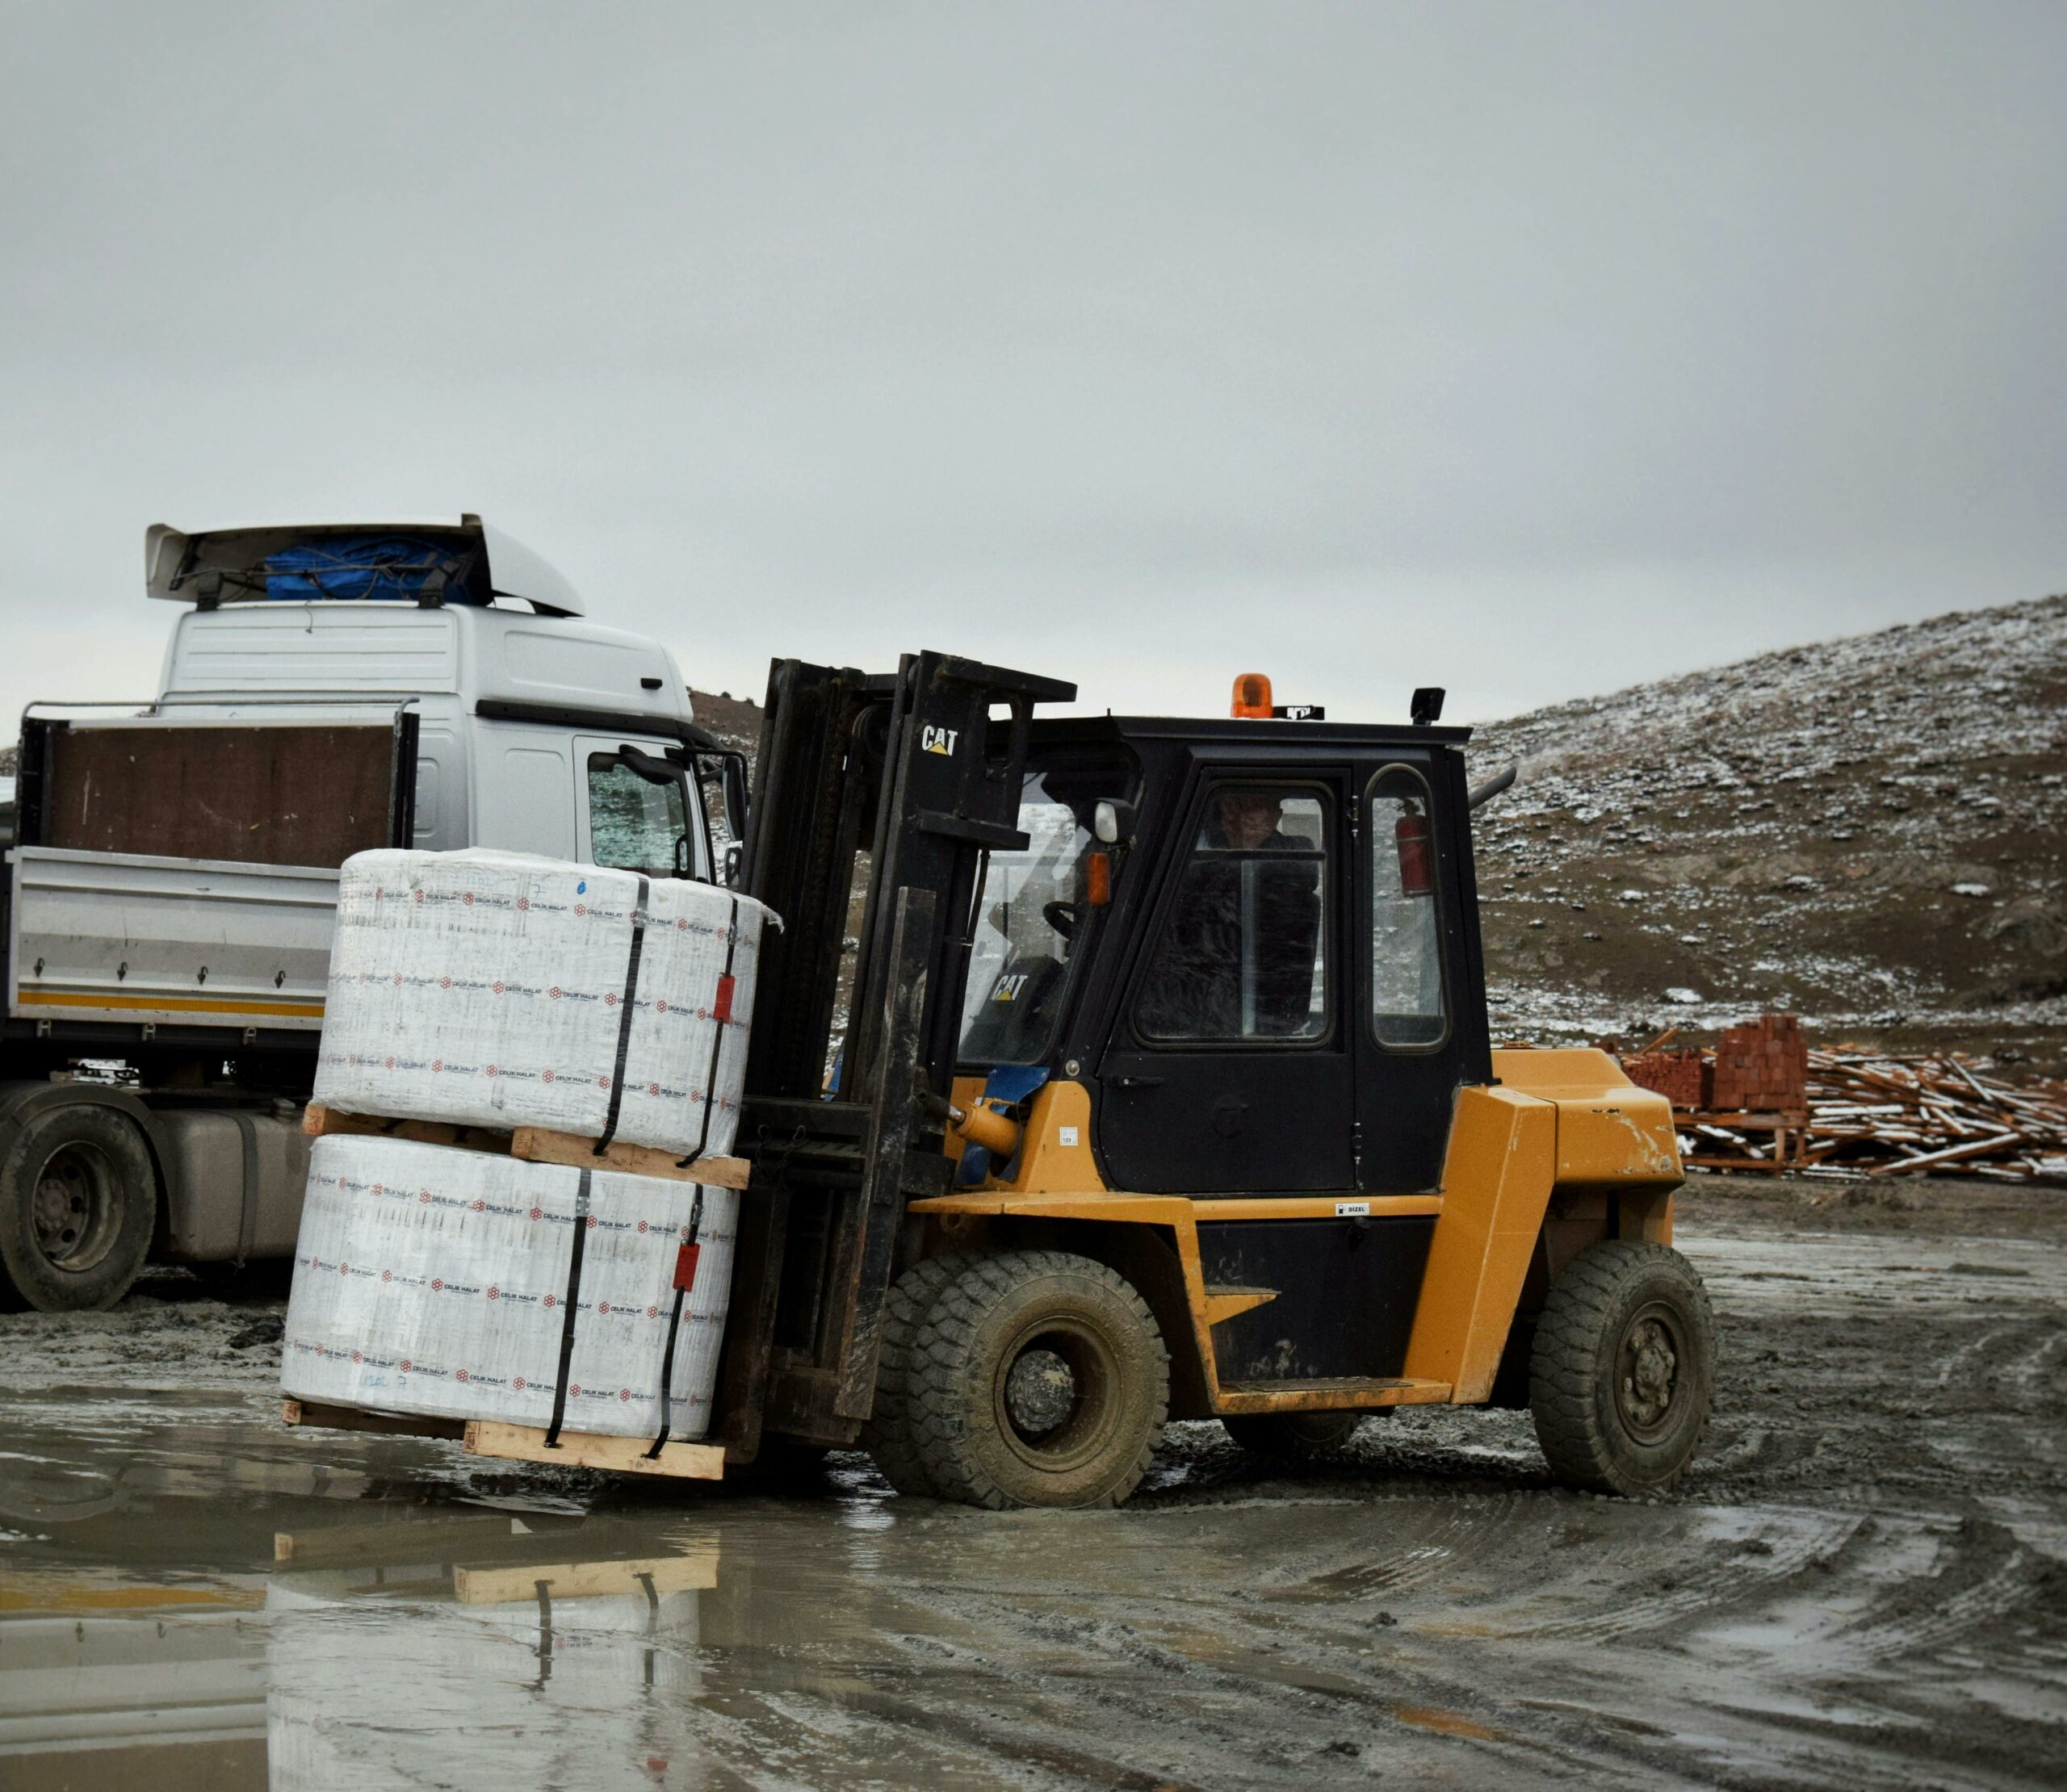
[[1623, 1369], [887, 1436], [79, 1204], [1038, 1379], [1292, 1437]]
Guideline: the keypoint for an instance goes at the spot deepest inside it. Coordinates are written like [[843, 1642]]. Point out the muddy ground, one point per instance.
[[1864, 1582]]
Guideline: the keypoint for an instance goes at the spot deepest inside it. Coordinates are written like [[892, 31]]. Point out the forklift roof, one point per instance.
[[1218, 731], [173, 556]]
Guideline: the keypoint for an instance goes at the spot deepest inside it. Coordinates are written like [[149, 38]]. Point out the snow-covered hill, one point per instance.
[[1869, 831]]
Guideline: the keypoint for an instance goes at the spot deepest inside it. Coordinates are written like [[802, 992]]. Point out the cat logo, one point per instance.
[[1008, 987], [938, 740]]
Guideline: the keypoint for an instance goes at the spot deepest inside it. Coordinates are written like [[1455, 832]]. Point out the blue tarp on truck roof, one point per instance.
[[354, 569]]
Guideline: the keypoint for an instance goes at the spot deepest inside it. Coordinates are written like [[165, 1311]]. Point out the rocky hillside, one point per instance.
[[735, 720], [1869, 832]]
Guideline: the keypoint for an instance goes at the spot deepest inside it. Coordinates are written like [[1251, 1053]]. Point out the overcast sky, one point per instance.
[[1531, 350]]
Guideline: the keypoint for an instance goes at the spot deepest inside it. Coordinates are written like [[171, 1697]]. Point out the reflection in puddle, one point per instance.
[[440, 1643]]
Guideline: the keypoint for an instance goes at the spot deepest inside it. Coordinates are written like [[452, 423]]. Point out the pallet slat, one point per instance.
[[701, 1462], [534, 1143]]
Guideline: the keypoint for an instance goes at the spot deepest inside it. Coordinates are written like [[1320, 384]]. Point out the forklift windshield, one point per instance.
[[1034, 913]]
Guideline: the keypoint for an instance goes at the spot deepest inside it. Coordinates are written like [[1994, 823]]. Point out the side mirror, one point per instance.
[[1113, 821], [735, 796]]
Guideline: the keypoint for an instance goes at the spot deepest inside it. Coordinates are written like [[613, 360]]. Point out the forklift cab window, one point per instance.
[[1243, 952], [1033, 915], [1407, 962], [635, 824]]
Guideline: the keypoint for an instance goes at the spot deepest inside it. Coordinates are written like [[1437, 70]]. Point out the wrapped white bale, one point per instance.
[[494, 989], [432, 1280]]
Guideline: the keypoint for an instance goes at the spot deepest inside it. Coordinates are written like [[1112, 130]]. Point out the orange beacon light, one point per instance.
[[1252, 697]]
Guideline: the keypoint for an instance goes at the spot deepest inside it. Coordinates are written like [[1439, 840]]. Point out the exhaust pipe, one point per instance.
[[1493, 785]]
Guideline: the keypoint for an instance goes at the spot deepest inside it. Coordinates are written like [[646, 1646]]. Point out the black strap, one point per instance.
[[573, 1307], [674, 1330], [717, 1043], [624, 1019]]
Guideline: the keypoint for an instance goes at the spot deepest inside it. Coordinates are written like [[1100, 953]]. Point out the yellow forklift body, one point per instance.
[[1561, 1126]]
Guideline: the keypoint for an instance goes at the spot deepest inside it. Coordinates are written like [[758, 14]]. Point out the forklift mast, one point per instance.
[[886, 790]]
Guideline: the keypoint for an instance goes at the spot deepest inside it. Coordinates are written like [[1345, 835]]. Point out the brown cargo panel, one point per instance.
[[254, 795]]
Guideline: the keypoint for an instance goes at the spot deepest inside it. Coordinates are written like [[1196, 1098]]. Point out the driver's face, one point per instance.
[[1247, 817]]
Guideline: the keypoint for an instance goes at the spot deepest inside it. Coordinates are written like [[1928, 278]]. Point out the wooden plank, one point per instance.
[[702, 1461], [542, 1145], [351, 1418], [393, 1544], [507, 1586], [535, 1144], [1908, 1166], [320, 1121]]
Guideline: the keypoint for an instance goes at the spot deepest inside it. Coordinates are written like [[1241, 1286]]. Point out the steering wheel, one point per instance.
[[1060, 916]]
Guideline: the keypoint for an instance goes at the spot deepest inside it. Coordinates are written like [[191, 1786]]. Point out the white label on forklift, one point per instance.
[[1353, 1210], [1065, 1135]]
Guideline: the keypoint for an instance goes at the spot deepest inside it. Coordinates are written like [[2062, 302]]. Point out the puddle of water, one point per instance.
[[196, 1596]]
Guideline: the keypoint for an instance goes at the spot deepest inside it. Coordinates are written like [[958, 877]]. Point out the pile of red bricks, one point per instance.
[[1683, 1078], [1762, 1066]]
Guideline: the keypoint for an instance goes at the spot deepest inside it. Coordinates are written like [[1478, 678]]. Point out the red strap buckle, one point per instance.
[[686, 1266], [722, 1006]]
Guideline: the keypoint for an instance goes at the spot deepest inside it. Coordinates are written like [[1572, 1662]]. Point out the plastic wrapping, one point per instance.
[[433, 1280], [493, 989]]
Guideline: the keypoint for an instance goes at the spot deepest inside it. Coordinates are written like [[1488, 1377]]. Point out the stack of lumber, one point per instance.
[[1880, 1114]]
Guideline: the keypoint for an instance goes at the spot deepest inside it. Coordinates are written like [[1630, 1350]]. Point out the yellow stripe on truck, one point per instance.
[[167, 1004]]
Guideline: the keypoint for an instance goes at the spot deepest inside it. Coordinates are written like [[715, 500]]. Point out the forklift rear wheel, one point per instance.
[[1297, 1436], [78, 1203], [887, 1436], [1623, 1369], [1039, 1379]]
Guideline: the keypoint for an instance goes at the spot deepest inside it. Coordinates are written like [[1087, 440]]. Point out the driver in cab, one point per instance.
[[1237, 958]]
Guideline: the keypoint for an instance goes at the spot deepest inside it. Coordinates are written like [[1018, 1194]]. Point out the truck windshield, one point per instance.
[[1032, 922]]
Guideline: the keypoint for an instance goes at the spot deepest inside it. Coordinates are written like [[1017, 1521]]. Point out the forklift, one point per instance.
[[1112, 1070]]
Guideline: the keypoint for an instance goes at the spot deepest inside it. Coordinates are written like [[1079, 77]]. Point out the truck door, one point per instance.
[[1418, 1034], [1230, 1065]]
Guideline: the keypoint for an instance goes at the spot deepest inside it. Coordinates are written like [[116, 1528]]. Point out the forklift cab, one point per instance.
[[1267, 980]]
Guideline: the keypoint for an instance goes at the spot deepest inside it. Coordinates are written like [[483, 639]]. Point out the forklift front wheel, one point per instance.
[[1623, 1369], [1038, 1379]]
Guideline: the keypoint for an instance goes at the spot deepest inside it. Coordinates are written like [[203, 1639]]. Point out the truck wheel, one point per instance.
[[1038, 1379], [78, 1203], [1293, 1436], [1623, 1369], [887, 1436]]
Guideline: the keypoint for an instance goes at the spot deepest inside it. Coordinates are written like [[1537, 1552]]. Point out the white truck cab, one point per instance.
[[521, 704], [170, 896]]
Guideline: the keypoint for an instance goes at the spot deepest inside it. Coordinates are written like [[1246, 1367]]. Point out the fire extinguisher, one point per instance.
[[1417, 874]]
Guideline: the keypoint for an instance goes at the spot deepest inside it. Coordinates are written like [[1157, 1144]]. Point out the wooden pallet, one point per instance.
[[697, 1462], [535, 1144]]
